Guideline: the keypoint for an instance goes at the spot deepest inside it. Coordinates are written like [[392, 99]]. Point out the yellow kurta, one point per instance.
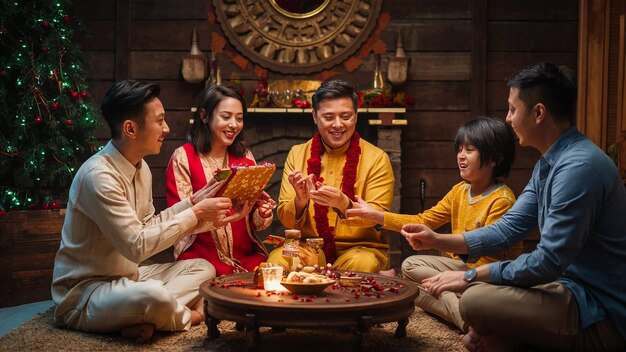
[[464, 213], [374, 184]]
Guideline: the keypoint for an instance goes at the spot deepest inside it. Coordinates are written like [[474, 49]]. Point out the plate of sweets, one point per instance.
[[306, 282], [349, 279]]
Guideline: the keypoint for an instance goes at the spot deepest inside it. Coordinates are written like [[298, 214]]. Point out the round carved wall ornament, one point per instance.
[[297, 41]]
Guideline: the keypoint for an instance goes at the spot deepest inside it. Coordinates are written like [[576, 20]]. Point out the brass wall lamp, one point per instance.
[[195, 64], [398, 66]]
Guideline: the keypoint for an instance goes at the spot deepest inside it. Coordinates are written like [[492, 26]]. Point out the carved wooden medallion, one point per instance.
[[299, 42]]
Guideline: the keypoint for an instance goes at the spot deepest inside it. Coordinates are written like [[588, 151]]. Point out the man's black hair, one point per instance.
[[334, 89], [126, 100], [553, 86]]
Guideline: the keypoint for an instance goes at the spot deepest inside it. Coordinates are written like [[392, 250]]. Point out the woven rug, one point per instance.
[[424, 333]]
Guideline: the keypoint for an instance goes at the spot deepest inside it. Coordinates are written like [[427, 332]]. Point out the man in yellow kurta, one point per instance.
[[322, 177]]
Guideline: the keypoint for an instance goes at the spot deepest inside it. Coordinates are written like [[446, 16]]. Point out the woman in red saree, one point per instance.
[[216, 142]]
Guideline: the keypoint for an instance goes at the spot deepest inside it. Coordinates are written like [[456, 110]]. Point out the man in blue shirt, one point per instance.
[[570, 292]]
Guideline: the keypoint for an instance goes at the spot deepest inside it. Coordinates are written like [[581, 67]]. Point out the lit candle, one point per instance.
[[272, 277]]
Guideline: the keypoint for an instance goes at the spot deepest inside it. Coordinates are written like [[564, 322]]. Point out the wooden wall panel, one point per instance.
[[168, 35], [433, 125], [100, 35], [497, 95], [430, 35], [533, 36], [504, 64], [439, 66], [533, 10], [440, 95], [102, 65], [95, 10], [156, 65], [169, 10], [432, 9], [178, 122]]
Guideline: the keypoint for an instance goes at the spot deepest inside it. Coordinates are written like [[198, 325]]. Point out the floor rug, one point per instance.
[[424, 333]]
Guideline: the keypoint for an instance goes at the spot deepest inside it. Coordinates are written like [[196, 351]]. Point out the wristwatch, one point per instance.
[[470, 275]]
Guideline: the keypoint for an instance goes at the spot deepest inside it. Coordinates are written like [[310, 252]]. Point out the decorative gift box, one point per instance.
[[244, 183]]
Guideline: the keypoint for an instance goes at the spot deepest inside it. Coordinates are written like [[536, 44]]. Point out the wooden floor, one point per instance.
[[12, 317]]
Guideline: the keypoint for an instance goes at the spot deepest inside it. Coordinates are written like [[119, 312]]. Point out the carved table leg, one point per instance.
[[212, 330], [252, 332], [365, 322], [211, 322], [401, 329]]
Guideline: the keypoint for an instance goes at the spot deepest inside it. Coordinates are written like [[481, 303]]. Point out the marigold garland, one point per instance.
[[314, 166]]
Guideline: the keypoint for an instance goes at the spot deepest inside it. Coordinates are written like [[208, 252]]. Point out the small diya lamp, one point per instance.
[[268, 276]]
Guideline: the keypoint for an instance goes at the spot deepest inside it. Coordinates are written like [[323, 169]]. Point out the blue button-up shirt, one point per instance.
[[577, 199]]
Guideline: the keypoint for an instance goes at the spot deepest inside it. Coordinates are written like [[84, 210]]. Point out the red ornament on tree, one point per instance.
[[84, 94], [54, 106], [44, 49], [38, 119], [69, 122], [33, 206], [66, 19], [74, 95], [45, 24], [44, 206], [3, 73], [54, 205], [4, 29]]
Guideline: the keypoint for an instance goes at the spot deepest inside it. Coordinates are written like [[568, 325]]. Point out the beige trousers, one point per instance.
[[161, 296], [544, 316], [420, 267]]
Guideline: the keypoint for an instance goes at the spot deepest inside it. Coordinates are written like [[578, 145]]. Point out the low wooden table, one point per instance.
[[236, 298]]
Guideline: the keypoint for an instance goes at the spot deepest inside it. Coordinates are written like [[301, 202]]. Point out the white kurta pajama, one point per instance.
[[109, 228]]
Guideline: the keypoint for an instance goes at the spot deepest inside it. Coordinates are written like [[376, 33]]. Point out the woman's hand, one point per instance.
[[241, 211], [265, 204]]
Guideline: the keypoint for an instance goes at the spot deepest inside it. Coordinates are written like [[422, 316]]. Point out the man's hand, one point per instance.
[[331, 197], [299, 182], [208, 191], [212, 209], [445, 281], [308, 256], [265, 204], [362, 209], [419, 236]]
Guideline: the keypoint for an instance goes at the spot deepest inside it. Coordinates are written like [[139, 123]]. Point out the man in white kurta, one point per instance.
[[111, 226]]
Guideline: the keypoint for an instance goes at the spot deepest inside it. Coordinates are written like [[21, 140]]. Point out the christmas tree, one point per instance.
[[47, 120]]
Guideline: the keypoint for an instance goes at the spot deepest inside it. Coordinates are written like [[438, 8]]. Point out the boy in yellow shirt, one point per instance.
[[485, 152]]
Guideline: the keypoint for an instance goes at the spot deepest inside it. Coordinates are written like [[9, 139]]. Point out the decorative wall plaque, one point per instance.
[[297, 37]]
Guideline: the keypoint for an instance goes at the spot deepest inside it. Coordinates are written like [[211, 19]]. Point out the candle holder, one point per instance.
[[272, 276]]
